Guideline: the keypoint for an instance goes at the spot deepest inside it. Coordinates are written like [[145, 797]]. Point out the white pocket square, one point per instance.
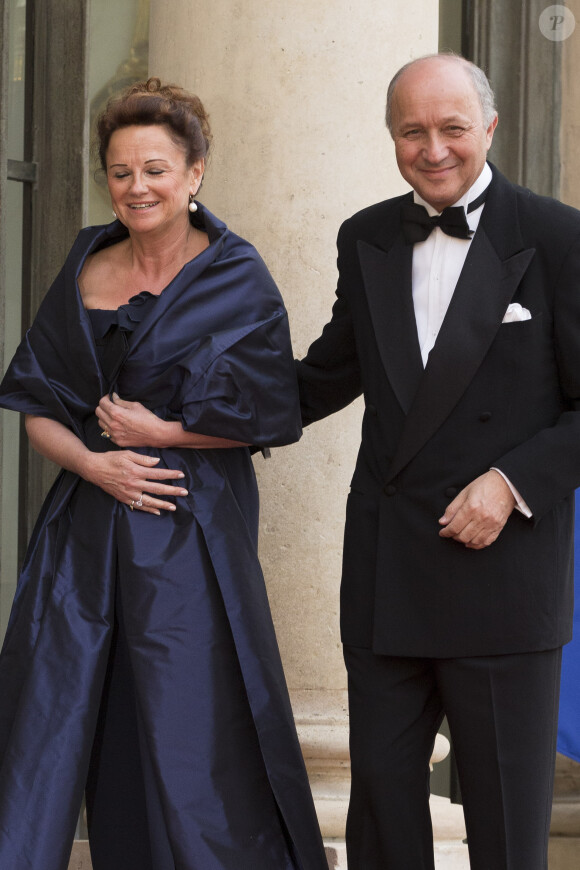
[[515, 312]]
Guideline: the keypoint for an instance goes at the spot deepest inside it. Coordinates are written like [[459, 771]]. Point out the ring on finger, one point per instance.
[[140, 502], [105, 433], [132, 503]]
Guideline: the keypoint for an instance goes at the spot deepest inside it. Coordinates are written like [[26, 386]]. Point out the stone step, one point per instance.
[[80, 858], [564, 854], [448, 856]]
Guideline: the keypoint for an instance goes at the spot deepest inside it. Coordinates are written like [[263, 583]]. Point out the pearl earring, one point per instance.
[[192, 204]]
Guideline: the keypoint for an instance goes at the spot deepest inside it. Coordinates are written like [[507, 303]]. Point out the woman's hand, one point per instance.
[[129, 477], [129, 424], [133, 479]]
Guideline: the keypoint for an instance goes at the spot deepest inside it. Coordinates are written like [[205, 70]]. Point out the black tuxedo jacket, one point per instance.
[[492, 394]]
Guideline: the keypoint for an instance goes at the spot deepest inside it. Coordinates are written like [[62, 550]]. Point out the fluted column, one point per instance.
[[296, 96]]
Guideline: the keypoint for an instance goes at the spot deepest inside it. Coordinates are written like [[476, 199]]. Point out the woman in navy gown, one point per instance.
[[140, 662]]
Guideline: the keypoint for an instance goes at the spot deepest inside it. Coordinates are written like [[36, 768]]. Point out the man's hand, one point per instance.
[[477, 515]]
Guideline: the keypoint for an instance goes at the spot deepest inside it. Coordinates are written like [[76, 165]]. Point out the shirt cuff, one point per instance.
[[520, 503]]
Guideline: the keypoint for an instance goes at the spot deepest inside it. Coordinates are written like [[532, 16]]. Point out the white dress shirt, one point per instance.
[[437, 264]]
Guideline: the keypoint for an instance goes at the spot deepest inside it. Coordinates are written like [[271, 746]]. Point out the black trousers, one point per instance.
[[502, 713]]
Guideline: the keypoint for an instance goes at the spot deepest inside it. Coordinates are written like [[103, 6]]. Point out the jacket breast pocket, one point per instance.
[[521, 330]]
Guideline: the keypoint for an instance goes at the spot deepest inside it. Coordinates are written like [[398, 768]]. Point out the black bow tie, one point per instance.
[[417, 224]]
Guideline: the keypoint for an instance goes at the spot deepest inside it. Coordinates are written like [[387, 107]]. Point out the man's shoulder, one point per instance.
[[544, 213], [380, 216], [535, 204], [385, 210]]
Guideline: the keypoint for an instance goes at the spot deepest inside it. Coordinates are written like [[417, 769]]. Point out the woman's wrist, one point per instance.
[[166, 433], [86, 463]]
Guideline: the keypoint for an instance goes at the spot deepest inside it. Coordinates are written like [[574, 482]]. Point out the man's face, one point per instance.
[[441, 143]]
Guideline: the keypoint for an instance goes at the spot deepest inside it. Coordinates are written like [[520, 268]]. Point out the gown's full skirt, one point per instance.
[[141, 661]]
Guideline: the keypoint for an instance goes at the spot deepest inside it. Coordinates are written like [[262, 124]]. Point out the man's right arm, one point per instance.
[[329, 375]]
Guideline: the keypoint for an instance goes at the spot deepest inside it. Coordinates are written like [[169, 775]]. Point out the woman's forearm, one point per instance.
[[130, 477], [172, 434], [131, 424], [55, 442]]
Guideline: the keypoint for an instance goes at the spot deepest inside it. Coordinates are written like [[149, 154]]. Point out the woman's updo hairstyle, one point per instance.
[[150, 102]]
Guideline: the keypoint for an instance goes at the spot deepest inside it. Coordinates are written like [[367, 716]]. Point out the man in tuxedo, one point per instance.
[[458, 317]]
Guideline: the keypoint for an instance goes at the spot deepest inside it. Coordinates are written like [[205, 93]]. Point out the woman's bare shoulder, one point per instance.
[[102, 276]]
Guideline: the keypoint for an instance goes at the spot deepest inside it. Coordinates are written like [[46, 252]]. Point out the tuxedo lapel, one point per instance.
[[485, 287], [387, 280], [493, 269]]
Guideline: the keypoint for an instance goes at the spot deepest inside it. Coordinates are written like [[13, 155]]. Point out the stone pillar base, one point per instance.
[[564, 852], [80, 858], [322, 725]]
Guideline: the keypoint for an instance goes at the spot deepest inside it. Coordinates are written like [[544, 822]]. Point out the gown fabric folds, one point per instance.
[[140, 659]]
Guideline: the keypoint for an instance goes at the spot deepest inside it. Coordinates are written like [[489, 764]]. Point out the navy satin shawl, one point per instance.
[[214, 353]]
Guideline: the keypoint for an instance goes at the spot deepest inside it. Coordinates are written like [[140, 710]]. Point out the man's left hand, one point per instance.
[[477, 515]]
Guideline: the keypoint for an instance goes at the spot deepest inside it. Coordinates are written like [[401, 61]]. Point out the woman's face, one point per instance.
[[149, 181]]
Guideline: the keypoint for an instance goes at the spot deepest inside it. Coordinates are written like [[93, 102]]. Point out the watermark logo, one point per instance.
[[557, 23]]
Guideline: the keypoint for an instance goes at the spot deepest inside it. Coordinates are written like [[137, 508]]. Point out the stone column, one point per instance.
[[296, 96]]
